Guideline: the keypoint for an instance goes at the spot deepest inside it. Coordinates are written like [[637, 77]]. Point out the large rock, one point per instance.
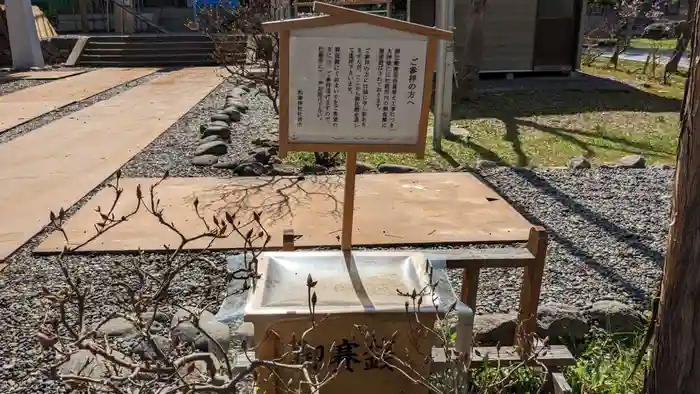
[[362, 167], [615, 316], [284, 170], [117, 327], [483, 163], [221, 117], [238, 92], [262, 155], [223, 132], [314, 169], [204, 160], [228, 165], [160, 317], [210, 138], [250, 169], [233, 113], [146, 350], [632, 161], [219, 123], [495, 328], [197, 372], [265, 143], [395, 168], [84, 363], [212, 148], [578, 163], [182, 328], [561, 322]]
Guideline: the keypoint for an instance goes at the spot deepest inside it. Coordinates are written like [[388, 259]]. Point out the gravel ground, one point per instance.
[[61, 112], [607, 231], [13, 86], [174, 149], [23, 364]]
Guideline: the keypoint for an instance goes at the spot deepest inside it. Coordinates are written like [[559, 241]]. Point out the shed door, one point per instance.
[[555, 37]]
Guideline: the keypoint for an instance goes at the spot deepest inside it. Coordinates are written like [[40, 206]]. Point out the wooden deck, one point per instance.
[[390, 209], [27, 104], [56, 165]]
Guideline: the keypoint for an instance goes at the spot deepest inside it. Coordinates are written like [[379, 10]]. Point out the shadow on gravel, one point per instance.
[[622, 235]]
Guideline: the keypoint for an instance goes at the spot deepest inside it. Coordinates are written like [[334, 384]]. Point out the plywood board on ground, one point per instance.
[[56, 165], [391, 209], [26, 104], [40, 75]]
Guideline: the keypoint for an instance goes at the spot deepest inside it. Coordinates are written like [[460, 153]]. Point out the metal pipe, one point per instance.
[[440, 69]]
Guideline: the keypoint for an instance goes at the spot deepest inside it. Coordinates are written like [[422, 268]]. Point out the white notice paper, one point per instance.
[[355, 90]]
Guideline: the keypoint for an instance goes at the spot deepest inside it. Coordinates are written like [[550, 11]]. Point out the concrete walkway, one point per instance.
[[27, 104], [56, 165], [640, 55]]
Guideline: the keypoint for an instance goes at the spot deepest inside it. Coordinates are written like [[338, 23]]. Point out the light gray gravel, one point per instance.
[[13, 86], [607, 231], [23, 365], [77, 106], [174, 149]]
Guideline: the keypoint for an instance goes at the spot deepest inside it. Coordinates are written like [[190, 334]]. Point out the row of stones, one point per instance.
[[166, 331], [561, 322], [580, 163], [215, 134], [631, 161]]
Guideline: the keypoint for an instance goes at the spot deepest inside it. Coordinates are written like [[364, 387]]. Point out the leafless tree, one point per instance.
[[69, 331], [242, 46]]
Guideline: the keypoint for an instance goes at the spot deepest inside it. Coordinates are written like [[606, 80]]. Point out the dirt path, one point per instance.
[[26, 104], [56, 165]]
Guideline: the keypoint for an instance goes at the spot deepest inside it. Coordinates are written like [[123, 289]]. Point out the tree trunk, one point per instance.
[[683, 31], [675, 366], [472, 52]]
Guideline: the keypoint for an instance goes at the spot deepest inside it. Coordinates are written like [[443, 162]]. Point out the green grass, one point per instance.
[[606, 365], [645, 43], [548, 128]]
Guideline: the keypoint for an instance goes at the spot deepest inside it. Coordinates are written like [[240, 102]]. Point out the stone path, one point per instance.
[[640, 55], [56, 165], [26, 104]]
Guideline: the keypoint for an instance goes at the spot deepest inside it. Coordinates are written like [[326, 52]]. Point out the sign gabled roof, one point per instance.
[[336, 15]]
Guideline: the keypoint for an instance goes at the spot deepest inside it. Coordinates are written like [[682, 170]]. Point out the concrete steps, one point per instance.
[[148, 50]]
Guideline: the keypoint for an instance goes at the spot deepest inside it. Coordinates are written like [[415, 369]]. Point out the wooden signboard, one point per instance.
[[354, 82]]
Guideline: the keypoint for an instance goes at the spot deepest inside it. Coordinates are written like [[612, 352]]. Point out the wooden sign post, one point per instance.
[[354, 82]]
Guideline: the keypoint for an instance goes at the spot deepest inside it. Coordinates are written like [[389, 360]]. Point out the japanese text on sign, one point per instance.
[[349, 355], [368, 91]]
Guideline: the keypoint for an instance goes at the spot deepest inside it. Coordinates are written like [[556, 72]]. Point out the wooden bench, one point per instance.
[[531, 258]]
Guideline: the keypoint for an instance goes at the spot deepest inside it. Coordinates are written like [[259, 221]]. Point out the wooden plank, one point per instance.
[[76, 51], [530, 291], [556, 356], [41, 75], [72, 155], [390, 209], [470, 284], [480, 258], [26, 104], [348, 201], [561, 386]]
